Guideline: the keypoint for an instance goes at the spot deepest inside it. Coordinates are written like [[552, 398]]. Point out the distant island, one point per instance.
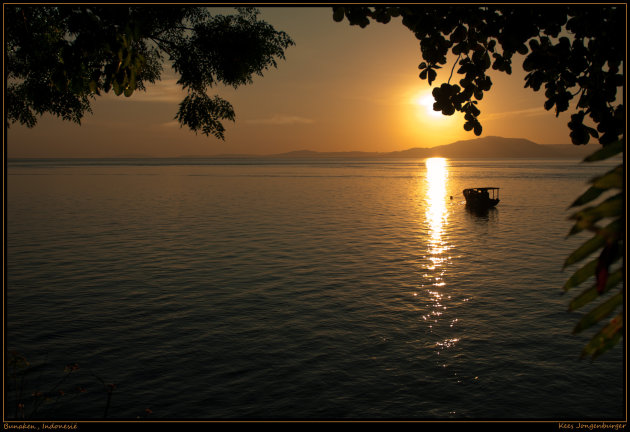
[[491, 147]]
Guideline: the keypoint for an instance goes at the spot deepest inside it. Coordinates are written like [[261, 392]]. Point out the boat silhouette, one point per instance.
[[479, 198]]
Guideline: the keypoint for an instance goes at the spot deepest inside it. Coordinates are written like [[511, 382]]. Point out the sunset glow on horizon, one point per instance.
[[340, 88]]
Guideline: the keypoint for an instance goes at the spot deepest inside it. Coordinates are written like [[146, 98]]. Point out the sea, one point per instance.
[[276, 289]]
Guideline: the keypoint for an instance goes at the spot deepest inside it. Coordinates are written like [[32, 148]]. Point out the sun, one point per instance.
[[423, 125], [424, 102]]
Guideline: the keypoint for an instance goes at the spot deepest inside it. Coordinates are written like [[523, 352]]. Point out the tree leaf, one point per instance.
[[587, 219], [599, 313], [117, 88], [338, 13], [612, 179], [588, 196], [587, 248], [611, 207], [605, 339], [591, 293], [581, 275], [606, 152], [610, 234]]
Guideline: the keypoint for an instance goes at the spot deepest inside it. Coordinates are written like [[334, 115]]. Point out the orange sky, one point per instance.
[[341, 88]]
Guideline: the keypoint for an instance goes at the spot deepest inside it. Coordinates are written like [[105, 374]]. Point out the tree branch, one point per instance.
[[453, 68]]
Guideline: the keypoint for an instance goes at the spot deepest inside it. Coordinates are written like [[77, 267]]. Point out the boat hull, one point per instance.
[[482, 204]]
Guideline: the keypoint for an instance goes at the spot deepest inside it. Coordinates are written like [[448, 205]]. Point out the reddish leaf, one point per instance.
[[606, 258]]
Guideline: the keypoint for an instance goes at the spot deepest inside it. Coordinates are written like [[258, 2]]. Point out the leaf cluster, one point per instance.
[[58, 59], [574, 51], [601, 256]]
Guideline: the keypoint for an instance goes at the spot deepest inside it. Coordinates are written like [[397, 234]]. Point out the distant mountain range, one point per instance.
[[491, 147]]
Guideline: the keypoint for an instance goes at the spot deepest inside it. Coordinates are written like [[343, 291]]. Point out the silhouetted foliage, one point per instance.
[[58, 59], [575, 52], [602, 214]]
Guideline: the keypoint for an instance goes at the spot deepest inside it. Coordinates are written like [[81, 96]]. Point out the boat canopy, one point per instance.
[[482, 190]]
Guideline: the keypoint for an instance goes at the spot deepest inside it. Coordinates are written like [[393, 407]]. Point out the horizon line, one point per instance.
[[321, 153]]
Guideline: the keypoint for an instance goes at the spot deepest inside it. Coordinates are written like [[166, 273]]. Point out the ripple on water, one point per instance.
[[242, 291]]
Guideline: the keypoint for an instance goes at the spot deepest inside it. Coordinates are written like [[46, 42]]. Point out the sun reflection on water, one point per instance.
[[437, 176], [437, 216], [437, 255]]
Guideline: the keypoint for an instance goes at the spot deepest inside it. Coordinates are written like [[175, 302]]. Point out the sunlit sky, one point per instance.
[[341, 88]]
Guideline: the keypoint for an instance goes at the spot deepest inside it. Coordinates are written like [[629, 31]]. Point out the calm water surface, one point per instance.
[[299, 289]]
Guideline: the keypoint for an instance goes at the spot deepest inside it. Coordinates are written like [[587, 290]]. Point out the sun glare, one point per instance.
[[425, 103], [423, 126]]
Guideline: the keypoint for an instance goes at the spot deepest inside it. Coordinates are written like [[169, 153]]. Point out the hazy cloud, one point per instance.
[[530, 112], [281, 120], [171, 124]]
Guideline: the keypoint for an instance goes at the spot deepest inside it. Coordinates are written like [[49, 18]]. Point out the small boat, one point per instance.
[[479, 198]]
